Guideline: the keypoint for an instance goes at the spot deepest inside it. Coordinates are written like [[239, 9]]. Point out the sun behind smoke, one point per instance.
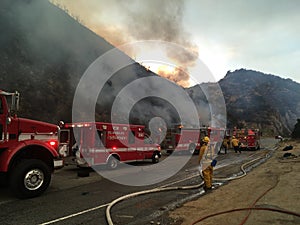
[[175, 74]]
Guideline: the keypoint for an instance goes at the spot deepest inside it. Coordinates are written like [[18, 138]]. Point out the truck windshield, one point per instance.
[[10, 106], [99, 141], [148, 140]]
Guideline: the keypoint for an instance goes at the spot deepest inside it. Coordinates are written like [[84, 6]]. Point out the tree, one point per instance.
[[296, 131]]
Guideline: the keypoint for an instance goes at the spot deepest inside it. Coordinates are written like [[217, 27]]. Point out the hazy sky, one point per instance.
[[262, 35]]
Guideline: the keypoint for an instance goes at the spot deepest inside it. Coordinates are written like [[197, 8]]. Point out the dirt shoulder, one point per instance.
[[273, 185]]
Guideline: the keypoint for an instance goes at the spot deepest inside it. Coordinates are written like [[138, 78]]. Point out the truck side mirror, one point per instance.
[[15, 101], [8, 120]]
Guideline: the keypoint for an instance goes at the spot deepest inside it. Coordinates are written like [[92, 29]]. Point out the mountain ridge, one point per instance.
[[277, 97]]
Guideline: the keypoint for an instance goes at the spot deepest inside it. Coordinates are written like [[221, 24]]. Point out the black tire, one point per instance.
[[218, 147], [112, 163], [38, 176], [257, 147], [192, 148], [83, 173], [169, 151], [155, 158]]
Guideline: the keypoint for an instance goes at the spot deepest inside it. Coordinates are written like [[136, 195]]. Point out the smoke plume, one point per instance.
[[139, 20], [177, 75]]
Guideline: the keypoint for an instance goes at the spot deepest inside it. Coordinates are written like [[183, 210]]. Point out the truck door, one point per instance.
[[134, 149], [101, 154]]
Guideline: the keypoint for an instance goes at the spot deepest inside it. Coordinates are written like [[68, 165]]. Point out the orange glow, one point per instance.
[[172, 73]]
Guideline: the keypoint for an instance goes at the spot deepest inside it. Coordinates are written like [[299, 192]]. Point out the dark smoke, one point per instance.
[[44, 53]]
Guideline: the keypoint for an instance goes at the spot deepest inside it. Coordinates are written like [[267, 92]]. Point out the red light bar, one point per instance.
[[53, 143]]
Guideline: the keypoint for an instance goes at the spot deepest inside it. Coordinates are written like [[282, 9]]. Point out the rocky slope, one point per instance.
[[261, 100]]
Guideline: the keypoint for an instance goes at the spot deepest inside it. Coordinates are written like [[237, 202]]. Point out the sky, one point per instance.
[[225, 35]]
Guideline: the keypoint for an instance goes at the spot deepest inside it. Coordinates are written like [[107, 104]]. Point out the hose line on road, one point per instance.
[[154, 190], [247, 209], [242, 169], [161, 189]]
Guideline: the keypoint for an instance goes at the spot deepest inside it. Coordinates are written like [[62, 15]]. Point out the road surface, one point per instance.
[[83, 200]]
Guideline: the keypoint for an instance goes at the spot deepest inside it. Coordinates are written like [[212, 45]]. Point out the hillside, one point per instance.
[[42, 55], [255, 99]]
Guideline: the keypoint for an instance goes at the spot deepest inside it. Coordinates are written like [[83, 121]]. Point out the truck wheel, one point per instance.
[[30, 178], [155, 158], [169, 151], [83, 172], [192, 149], [112, 163]]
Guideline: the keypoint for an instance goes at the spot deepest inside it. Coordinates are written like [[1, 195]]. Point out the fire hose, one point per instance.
[[247, 209], [161, 189]]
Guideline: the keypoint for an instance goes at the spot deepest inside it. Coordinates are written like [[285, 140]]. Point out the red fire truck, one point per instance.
[[29, 150], [248, 138], [216, 136], [106, 143], [181, 139], [188, 139]]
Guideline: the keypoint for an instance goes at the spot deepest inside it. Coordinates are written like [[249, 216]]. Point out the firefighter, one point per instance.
[[207, 176], [203, 148], [236, 144], [224, 146]]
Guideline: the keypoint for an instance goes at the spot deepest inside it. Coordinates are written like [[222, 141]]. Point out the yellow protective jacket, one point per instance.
[[202, 151], [225, 143], [235, 142]]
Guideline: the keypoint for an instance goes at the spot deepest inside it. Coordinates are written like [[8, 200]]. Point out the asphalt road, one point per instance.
[[83, 200]]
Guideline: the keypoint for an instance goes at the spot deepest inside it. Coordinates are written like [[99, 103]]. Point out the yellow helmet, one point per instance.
[[206, 139]]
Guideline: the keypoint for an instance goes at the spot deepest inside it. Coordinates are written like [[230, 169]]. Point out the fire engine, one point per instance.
[[101, 143], [248, 138], [182, 139], [216, 136], [189, 139], [29, 150]]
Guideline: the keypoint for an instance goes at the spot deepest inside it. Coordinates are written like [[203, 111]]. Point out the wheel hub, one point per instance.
[[34, 179], [113, 164]]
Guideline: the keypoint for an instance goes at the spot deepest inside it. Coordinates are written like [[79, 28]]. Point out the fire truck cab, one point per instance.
[[106, 143], [29, 150], [216, 136], [182, 138]]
